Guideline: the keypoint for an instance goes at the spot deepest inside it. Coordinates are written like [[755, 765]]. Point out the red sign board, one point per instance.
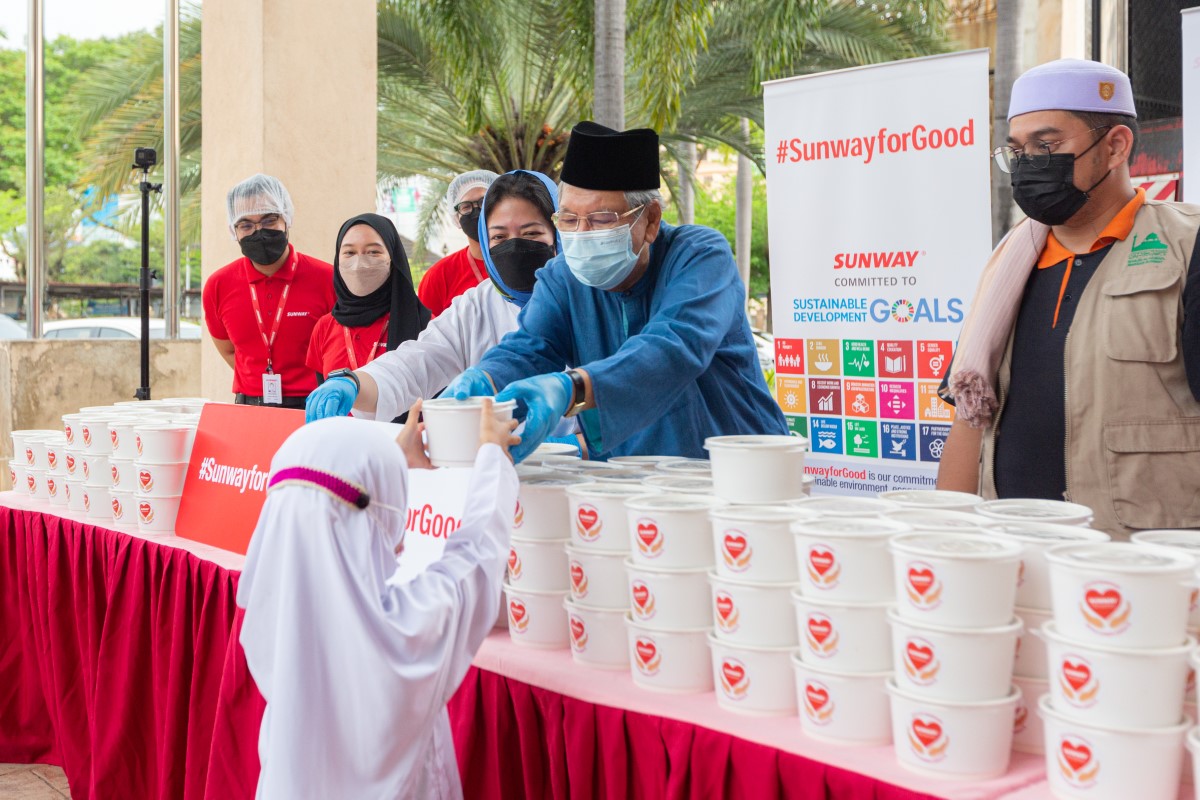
[[226, 482]]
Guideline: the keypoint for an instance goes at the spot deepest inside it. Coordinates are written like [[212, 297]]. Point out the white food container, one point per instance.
[[956, 580], [598, 580], [1186, 541], [669, 599], [669, 661], [953, 664], [1023, 510], [56, 453], [160, 480], [953, 739], [846, 506], [757, 469], [623, 477], [537, 619], [671, 531], [122, 436], [167, 442], [124, 507], [755, 543], [16, 474], [1115, 687], [56, 489], [841, 707], [542, 505], [1033, 582], [97, 503], [847, 559], [598, 637], [553, 449], [753, 614], [939, 521], [73, 489], [452, 429], [35, 483], [73, 462], [539, 564], [124, 474], [157, 514], [1031, 650], [933, 499], [1098, 763], [686, 467], [93, 431], [95, 470], [673, 484], [35, 451], [753, 680], [70, 429], [21, 439], [846, 637], [597, 516], [647, 463], [1028, 736], [1121, 594]]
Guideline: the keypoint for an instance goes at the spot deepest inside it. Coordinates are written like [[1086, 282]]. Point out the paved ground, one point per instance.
[[36, 782]]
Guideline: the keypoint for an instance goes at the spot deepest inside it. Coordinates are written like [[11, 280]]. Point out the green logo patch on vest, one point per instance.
[[1150, 251]]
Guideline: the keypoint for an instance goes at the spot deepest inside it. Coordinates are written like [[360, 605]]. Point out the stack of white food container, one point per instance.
[[1033, 609], [537, 581], [596, 556], [1117, 652], [29, 467], [954, 640], [161, 450], [52, 450], [670, 554], [846, 587], [1033, 510]]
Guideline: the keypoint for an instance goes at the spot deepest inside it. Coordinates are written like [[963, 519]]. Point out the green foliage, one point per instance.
[[718, 209], [61, 217]]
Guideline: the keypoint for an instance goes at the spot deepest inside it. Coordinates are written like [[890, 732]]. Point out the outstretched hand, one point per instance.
[[410, 440], [493, 430]]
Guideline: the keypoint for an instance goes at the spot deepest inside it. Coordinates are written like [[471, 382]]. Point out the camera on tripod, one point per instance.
[[144, 158]]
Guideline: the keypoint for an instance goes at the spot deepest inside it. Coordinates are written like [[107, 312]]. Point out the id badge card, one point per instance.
[[272, 389]]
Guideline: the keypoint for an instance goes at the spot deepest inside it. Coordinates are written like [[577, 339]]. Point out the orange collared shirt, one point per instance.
[[1117, 229]]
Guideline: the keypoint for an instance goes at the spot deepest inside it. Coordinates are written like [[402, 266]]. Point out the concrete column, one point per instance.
[[289, 90]]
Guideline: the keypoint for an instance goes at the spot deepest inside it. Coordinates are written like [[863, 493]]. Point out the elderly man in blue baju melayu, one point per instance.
[[651, 318]]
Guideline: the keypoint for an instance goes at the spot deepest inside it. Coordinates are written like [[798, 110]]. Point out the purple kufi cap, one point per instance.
[[1072, 84]]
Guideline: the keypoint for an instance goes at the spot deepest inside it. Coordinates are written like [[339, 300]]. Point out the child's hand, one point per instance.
[[496, 431], [410, 440]]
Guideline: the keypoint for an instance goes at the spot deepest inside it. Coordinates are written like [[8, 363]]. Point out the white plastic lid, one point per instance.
[[932, 498], [1183, 539], [846, 506], [549, 479], [1045, 510], [1048, 533], [1121, 557], [554, 449], [597, 488], [762, 442], [630, 476], [678, 483], [164, 426], [581, 466], [762, 514], [956, 545], [471, 403], [850, 527], [933, 519], [642, 461], [672, 502], [685, 466]]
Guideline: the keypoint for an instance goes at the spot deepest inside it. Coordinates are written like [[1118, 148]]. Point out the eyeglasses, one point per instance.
[[467, 206], [1007, 158], [245, 227], [597, 220]]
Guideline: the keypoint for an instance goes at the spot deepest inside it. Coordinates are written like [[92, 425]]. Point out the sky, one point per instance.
[[81, 19]]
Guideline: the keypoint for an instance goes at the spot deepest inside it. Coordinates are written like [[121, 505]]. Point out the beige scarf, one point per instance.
[[973, 374]]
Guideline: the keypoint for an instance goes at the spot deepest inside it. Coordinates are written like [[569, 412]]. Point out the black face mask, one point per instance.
[[264, 246], [1049, 195], [517, 260], [470, 224]]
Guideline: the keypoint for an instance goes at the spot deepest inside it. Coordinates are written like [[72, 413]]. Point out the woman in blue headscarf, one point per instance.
[[519, 237]]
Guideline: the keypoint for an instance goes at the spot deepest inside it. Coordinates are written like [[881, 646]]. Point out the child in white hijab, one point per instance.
[[356, 670]]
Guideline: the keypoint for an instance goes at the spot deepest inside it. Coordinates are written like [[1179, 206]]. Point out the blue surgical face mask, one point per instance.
[[601, 259]]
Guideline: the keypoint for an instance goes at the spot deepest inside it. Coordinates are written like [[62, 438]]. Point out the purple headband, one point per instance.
[[338, 488]]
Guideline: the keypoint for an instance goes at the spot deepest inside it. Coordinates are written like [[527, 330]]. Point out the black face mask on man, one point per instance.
[[264, 246], [1049, 195], [517, 260], [470, 224]]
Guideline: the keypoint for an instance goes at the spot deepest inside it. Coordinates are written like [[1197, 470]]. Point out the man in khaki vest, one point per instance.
[[1077, 374]]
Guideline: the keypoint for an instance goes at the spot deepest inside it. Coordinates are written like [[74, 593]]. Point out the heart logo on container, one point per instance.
[[29, 456], [817, 704], [736, 551], [70, 464], [518, 516], [116, 475], [578, 633], [821, 560], [138, 441], [643, 599], [116, 507], [12, 476], [32, 483], [646, 655], [927, 738], [146, 512], [817, 696], [823, 567], [920, 661], [1077, 761], [51, 487], [514, 565], [922, 586], [733, 678], [1076, 755], [820, 628], [579, 581], [920, 580], [728, 616], [112, 433], [587, 523], [518, 615], [52, 458], [1076, 675], [927, 732], [1105, 608], [70, 434], [918, 655], [1103, 603], [649, 539], [145, 480], [87, 437]]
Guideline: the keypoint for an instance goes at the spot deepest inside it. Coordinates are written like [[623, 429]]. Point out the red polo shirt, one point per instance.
[[229, 314], [448, 278], [327, 350]]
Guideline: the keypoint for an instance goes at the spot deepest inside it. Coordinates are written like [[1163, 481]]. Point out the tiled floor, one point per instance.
[[32, 782]]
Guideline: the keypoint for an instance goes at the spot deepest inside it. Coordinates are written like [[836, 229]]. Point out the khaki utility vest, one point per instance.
[[1132, 444]]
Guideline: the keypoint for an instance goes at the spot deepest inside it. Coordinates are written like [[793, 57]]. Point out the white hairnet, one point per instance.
[[468, 181], [259, 194]]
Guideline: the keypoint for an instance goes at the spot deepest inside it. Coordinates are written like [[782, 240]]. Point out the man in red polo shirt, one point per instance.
[[261, 308], [462, 269]]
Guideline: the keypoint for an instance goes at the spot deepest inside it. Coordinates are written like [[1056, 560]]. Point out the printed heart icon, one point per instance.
[[927, 731], [116, 507], [821, 560], [1077, 675], [512, 561], [138, 441], [70, 463], [919, 655], [920, 579], [577, 628], [820, 629], [29, 479], [1077, 755], [145, 479], [641, 594], [817, 696], [87, 437], [1103, 603], [734, 673], [646, 651], [588, 517], [576, 575], [29, 456], [146, 512], [52, 457], [724, 605], [70, 434], [735, 545], [517, 609], [116, 475], [113, 435], [647, 532]]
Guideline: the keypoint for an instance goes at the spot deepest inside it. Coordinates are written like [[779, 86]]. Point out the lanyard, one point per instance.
[[474, 268], [269, 341], [350, 348]]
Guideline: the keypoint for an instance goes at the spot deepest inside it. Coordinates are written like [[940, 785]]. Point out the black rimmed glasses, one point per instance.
[[1036, 154]]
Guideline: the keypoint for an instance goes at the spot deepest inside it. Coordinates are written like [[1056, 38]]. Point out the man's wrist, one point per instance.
[[348, 375], [578, 392]]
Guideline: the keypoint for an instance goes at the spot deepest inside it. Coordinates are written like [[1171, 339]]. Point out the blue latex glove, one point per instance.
[[333, 398], [572, 440], [546, 399], [472, 383]]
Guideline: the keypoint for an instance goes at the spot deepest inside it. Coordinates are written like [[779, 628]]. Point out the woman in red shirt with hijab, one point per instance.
[[376, 308]]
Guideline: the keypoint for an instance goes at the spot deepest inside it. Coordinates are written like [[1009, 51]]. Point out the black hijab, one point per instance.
[[396, 295]]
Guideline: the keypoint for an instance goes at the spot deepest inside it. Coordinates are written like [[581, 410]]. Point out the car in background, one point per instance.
[[113, 328], [11, 329]]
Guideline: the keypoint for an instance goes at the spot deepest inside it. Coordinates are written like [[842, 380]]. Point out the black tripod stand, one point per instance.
[[144, 159]]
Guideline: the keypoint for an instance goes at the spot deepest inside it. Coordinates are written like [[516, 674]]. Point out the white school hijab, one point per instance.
[[356, 671]]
